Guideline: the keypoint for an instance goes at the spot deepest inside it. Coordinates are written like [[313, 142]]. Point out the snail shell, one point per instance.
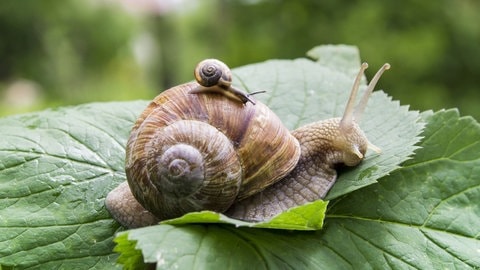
[[214, 76], [189, 152], [211, 72]]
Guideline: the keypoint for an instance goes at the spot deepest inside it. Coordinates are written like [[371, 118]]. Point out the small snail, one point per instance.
[[214, 76], [192, 149]]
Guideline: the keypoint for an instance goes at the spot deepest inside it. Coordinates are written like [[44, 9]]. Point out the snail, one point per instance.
[[214, 76], [206, 145]]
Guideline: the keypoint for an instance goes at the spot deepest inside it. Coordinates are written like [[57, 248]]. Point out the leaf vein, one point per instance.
[[68, 134], [248, 242], [109, 135], [446, 249], [305, 102], [385, 251], [50, 155]]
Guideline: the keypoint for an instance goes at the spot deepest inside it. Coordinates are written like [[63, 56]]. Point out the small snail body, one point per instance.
[[193, 149]]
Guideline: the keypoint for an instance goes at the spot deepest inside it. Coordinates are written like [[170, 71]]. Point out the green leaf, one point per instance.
[[306, 217], [343, 58], [57, 166], [130, 257], [423, 216], [426, 215]]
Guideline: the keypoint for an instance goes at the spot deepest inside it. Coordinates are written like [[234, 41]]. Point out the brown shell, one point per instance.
[[265, 149]]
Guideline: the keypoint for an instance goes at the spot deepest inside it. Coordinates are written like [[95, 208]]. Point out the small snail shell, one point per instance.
[[211, 72], [193, 149], [213, 75]]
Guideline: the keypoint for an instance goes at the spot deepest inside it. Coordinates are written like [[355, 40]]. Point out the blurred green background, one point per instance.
[[55, 53]]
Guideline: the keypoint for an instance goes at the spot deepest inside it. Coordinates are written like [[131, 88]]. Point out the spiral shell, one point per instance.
[[210, 72], [190, 152]]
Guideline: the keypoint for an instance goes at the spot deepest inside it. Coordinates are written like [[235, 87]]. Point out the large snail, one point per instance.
[[206, 145]]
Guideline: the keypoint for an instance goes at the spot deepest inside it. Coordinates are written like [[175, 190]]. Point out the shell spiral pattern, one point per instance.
[[190, 152], [210, 72]]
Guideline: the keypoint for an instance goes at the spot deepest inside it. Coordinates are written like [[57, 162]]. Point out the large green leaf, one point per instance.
[[425, 215], [56, 166]]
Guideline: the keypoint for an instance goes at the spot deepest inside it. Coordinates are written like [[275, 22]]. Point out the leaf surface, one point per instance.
[[306, 217], [57, 166], [424, 215]]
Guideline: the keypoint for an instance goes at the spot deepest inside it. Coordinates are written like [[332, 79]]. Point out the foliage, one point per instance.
[[56, 167], [424, 216], [303, 218]]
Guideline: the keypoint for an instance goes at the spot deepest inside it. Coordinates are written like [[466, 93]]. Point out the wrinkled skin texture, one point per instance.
[[322, 147]]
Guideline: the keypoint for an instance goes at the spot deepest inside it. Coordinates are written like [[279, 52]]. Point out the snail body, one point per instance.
[[192, 149]]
